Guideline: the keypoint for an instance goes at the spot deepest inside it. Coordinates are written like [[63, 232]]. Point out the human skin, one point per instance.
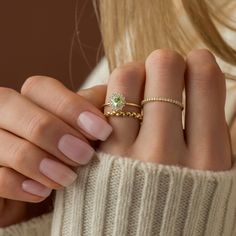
[[36, 155], [204, 143]]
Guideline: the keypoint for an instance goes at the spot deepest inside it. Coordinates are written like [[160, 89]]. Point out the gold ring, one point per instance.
[[132, 114], [117, 102], [161, 99]]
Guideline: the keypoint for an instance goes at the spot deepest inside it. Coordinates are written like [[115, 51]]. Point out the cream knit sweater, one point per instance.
[[120, 196]]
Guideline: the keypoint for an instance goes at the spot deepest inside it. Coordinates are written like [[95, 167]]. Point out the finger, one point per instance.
[[23, 118], [12, 186], [164, 78], [95, 95], [206, 129], [72, 108], [126, 80], [33, 162]]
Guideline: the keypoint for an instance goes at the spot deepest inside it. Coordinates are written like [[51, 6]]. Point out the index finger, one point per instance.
[[72, 108]]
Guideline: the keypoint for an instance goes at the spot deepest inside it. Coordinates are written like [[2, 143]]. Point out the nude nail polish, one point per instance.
[[75, 149], [94, 125], [57, 172], [36, 188]]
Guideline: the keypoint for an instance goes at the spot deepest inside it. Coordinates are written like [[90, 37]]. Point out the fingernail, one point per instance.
[[75, 149], [57, 172], [94, 125], [36, 188]]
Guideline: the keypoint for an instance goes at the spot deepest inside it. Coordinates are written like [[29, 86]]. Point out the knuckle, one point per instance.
[[204, 69], [201, 54], [5, 90], [32, 82], [19, 155], [5, 93], [132, 72], [64, 102], [8, 98], [211, 72], [38, 125], [164, 58], [208, 74]]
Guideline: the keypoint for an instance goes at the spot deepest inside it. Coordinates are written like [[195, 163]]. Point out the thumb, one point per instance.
[[95, 95]]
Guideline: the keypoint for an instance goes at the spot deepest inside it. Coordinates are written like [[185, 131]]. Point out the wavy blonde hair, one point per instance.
[[151, 24]]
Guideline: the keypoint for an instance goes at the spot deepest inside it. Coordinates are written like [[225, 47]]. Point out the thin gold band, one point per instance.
[[161, 99], [131, 114], [126, 104]]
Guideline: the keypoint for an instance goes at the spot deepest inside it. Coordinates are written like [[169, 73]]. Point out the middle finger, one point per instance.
[[164, 78]]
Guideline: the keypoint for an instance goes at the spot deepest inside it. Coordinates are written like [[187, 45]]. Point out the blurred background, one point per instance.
[[36, 39]]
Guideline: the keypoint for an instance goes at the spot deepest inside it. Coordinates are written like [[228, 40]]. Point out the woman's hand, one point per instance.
[[44, 132], [204, 143]]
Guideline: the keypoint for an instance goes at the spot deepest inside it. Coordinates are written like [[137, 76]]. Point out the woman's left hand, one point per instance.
[[203, 143]]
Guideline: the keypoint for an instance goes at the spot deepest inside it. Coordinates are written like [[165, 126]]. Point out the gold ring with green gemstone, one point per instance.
[[117, 102]]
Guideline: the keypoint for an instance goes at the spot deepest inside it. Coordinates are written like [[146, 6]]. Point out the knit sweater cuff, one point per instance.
[[114, 195], [38, 226]]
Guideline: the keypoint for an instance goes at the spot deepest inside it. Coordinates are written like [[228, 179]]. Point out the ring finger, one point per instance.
[[128, 81]]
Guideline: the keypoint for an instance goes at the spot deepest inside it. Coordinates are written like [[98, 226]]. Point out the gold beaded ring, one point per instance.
[[117, 102], [161, 99]]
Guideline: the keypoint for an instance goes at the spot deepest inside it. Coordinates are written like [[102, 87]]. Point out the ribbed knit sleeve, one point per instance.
[[38, 226], [118, 196]]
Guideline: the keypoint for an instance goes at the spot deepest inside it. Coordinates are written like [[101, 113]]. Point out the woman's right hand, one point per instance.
[[44, 132]]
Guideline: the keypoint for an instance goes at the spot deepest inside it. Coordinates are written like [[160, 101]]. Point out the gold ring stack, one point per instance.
[[162, 99], [117, 102]]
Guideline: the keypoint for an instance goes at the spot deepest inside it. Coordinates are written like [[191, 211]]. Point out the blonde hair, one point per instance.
[[137, 27]]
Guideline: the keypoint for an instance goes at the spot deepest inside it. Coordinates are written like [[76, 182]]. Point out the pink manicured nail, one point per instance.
[[75, 149], [94, 125], [36, 188], [57, 172]]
